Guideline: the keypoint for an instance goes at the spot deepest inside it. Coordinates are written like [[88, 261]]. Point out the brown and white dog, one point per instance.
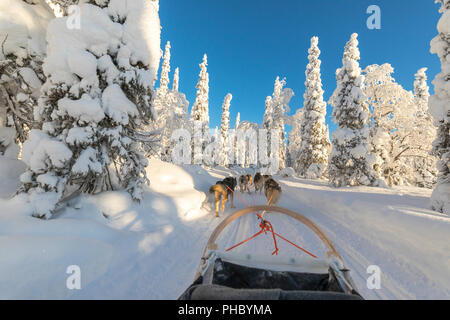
[[245, 181], [258, 181], [222, 190], [272, 191]]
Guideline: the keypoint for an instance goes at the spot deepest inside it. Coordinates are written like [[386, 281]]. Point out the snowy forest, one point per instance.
[[90, 104], [63, 104]]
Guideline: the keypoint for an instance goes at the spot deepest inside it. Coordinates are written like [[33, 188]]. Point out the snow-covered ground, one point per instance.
[[151, 250]]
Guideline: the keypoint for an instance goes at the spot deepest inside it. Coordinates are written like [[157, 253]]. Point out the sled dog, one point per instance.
[[244, 182], [250, 182], [266, 177], [258, 181], [222, 190], [272, 191]]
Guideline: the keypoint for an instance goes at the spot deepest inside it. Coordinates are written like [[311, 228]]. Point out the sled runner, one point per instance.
[[225, 275]]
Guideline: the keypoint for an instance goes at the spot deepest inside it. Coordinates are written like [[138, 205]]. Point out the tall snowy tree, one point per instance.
[[224, 148], [422, 135], [351, 162], [280, 106], [176, 118], [235, 142], [268, 114], [171, 109], [96, 98], [200, 113], [294, 138], [23, 25], [267, 125], [200, 109], [165, 70], [247, 144], [315, 142], [440, 110], [162, 104], [393, 115], [421, 89]]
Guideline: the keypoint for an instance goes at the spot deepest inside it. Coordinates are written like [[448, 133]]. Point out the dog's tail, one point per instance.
[[214, 188], [274, 197]]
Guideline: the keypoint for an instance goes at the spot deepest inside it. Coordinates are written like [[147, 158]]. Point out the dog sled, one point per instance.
[[226, 275]]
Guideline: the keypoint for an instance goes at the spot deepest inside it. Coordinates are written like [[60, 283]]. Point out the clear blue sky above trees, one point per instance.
[[250, 42]]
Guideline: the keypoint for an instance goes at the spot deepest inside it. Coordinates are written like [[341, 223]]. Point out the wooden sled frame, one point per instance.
[[211, 245], [334, 259]]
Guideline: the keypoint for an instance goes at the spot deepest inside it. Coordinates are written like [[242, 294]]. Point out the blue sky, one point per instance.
[[250, 42]]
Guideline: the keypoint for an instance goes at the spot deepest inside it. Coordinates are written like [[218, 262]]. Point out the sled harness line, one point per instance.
[[266, 226], [268, 203]]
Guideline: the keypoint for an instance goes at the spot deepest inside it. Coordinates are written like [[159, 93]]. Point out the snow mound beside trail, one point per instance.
[[287, 172], [168, 177], [440, 199], [124, 249], [187, 194], [10, 170]]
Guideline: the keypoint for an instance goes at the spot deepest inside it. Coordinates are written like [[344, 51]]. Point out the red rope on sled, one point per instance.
[[298, 247], [266, 226]]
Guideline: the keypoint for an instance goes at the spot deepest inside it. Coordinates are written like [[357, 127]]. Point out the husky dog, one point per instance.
[[266, 177], [250, 181], [258, 181], [221, 190], [272, 191], [244, 182]]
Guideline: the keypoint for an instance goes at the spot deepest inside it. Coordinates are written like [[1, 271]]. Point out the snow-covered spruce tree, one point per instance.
[[421, 89], [247, 144], [294, 138], [350, 161], [23, 25], [234, 137], [200, 109], [173, 116], [165, 70], [96, 98], [267, 123], [439, 105], [423, 134], [223, 157], [178, 118], [392, 126], [200, 113], [280, 106], [162, 104], [315, 145]]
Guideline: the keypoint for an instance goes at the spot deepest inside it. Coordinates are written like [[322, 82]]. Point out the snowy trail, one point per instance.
[[152, 250], [414, 262]]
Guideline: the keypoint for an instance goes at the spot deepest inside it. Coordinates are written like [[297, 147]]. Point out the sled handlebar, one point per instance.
[[211, 245]]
